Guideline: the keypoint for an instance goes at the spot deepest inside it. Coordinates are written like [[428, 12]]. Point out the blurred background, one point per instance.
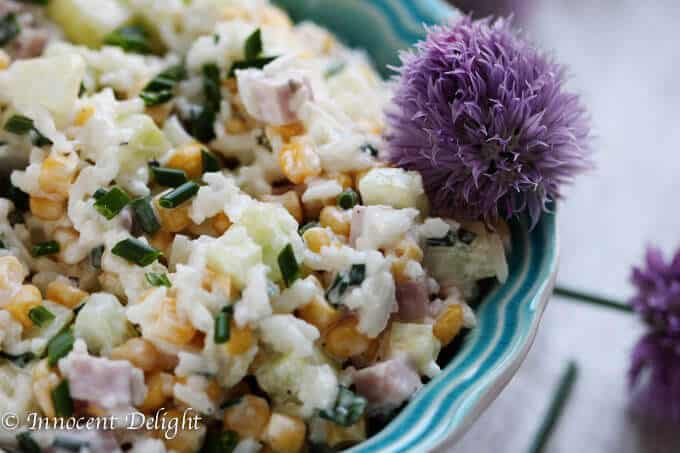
[[624, 60]]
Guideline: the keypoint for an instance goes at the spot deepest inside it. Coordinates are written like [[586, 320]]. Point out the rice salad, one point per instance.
[[196, 216]]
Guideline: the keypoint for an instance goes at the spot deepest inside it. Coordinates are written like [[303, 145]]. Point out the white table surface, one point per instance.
[[624, 57]]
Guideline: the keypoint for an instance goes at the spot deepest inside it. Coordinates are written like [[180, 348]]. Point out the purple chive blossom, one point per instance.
[[485, 118], [654, 376], [655, 370]]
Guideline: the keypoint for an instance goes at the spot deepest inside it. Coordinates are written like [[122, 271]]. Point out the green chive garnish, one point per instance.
[[357, 274], [19, 125], [136, 251], [59, 346], [161, 89], [9, 29], [27, 444], [40, 140], [20, 360], [61, 397], [369, 149], [45, 249], [348, 199], [222, 329], [145, 216], [354, 277], [19, 198], [157, 279], [130, 38], [179, 195], [253, 46], [40, 316], [211, 86], [169, 177], [96, 257], [220, 442], [2, 244], [348, 409], [111, 203], [255, 63], [290, 269], [210, 162], [307, 226], [559, 399]]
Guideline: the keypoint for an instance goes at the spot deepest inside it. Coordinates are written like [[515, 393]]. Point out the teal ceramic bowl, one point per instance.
[[509, 315]]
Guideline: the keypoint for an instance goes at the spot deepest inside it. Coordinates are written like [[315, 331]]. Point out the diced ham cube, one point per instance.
[[272, 99], [29, 44], [413, 299], [111, 384], [387, 385]]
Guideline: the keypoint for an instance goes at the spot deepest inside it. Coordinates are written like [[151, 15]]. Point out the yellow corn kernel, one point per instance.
[[218, 282], [299, 162], [408, 248], [399, 267], [336, 219], [337, 434], [187, 440], [157, 385], [143, 355], [241, 339], [57, 174], [248, 417], [221, 223], [285, 434], [162, 241], [343, 179], [12, 272], [44, 380], [65, 294], [84, 115], [171, 327], [47, 209], [5, 60], [173, 220], [344, 340], [22, 302], [449, 324], [236, 126], [319, 313], [316, 238], [289, 131], [188, 158], [289, 200], [275, 17]]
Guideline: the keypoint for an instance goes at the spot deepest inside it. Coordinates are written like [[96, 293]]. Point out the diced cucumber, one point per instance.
[[417, 342], [101, 323], [147, 142], [88, 22], [393, 187], [234, 254]]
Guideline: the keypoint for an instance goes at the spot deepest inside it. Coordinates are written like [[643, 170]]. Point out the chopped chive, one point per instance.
[[61, 397], [307, 226], [231, 402], [348, 199], [27, 444], [220, 442], [201, 123], [348, 409], [255, 63], [70, 444], [290, 269], [264, 141], [145, 216], [337, 288], [82, 90], [161, 88], [19, 198], [449, 240], [19, 125], [335, 69], [211, 86], [169, 177], [2, 244], [9, 29], [222, 329], [59, 346], [130, 38], [99, 193], [136, 251], [357, 274], [253, 46], [96, 257], [562, 393], [40, 140], [40, 316], [45, 249], [369, 149], [20, 360], [157, 279], [111, 203], [466, 237], [210, 162], [179, 195]]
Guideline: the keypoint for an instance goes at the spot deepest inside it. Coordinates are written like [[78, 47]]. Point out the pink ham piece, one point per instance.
[[387, 385], [111, 384], [273, 99], [413, 299]]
